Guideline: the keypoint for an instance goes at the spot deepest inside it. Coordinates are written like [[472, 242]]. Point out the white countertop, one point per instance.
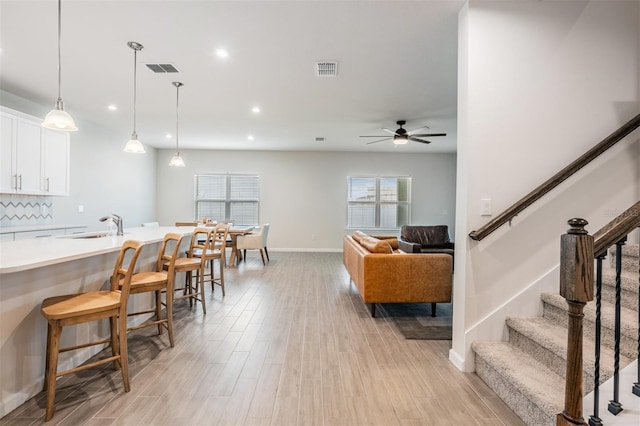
[[22, 255], [30, 228]]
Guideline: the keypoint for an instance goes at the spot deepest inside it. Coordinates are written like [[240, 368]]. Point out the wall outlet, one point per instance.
[[44, 210], [80, 209]]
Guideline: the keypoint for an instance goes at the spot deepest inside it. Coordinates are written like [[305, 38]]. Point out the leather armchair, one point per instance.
[[425, 239]]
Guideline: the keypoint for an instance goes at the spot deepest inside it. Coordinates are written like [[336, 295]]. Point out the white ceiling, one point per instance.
[[397, 60]]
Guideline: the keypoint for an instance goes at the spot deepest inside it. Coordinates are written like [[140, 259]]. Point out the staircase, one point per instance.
[[527, 372]]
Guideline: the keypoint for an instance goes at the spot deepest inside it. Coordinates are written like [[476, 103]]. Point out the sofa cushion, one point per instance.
[[393, 242], [375, 245], [358, 235]]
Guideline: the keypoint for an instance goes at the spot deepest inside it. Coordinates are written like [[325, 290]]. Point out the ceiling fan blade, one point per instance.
[[414, 139], [389, 131], [377, 136], [411, 132], [424, 135], [381, 140]]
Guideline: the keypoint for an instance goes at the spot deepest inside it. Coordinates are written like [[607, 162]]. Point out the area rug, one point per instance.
[[414, 320]]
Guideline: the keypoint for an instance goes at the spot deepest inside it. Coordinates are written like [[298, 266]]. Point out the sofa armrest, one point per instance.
[[408, 247]]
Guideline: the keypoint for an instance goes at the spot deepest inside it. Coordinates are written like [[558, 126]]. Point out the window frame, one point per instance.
[[378, 203], [228, 200]]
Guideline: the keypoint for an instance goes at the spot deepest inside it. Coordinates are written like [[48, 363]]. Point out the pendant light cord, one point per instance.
[[177, 115], [135, 62], [59, 56]]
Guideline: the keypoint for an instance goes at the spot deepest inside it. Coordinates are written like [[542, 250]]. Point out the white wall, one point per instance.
[[539, 84], [303, 194], [104, 179]]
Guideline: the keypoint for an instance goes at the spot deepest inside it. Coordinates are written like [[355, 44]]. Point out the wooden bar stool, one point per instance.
[[159, 281], [217, 251], [200, 241], [74, 309]]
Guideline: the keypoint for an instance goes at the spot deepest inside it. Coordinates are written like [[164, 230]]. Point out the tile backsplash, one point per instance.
[[19, 210]]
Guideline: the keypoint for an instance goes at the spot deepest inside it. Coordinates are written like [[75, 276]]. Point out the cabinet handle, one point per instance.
[[47, 184], [20, 182], [43, 236], [14, 185]]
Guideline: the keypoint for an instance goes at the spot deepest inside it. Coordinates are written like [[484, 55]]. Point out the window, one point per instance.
[[228, 197], [378, 202]]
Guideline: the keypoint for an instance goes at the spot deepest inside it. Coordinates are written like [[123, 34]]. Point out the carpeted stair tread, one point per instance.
[[628, 288], [628, 250], [629, 257], [532, 379], [547, 335], [628, 317], [628, 279], [628, 321]]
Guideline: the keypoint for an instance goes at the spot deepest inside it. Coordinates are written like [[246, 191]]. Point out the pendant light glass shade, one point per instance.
[[176, 160], [58, 118], [134, 146]]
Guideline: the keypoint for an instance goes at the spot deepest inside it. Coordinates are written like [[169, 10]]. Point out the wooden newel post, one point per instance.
[[576, 286]]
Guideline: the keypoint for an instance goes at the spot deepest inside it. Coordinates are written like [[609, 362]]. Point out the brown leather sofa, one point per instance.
[[384, 274]]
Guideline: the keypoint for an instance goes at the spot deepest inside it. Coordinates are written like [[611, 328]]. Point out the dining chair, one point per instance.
[[159, 281], [72, 309], [216, 251], [254, 241], [200, 242]]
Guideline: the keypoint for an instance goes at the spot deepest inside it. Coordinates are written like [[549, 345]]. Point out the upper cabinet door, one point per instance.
[[55, 154], [7, 159], [28, 157]]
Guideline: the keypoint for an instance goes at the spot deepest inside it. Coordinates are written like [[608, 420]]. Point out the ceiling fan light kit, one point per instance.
[[134, 146], [58, 118], [402, 137]]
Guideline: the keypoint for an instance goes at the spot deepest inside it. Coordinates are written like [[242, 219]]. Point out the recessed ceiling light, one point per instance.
[[250, 137], [168, 136], [112, 107], [222, 53], [255, 110]]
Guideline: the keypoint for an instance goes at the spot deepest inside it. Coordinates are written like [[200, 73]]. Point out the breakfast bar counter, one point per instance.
[[34, 269]]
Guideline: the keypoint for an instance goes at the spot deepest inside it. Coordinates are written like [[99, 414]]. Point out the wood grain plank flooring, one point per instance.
[[291, 343]]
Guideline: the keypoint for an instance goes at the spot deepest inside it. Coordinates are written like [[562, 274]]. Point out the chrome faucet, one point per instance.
[[116, 219]]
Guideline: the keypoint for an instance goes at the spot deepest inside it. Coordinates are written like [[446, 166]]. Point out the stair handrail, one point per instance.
[[615, 230], [557, 179]]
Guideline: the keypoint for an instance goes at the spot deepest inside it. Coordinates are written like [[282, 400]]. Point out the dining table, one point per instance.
[[236, 255]]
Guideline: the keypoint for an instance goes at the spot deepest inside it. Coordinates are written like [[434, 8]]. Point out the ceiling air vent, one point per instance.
[[326, 69], [162, 68], [319, 139]]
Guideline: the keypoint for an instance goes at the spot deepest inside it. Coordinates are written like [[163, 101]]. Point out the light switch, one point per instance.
[[485, 207], [80, 209]]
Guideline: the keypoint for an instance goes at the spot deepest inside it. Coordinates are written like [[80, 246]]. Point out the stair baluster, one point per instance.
[[615, 407], [595, 420], [635, 389]]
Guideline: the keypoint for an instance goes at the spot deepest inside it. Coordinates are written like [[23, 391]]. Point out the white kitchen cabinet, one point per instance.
[[33, 160], [55, 156]]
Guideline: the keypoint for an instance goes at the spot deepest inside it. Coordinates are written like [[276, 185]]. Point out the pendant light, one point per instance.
[[58, 118], [134, 145], [176, 160]]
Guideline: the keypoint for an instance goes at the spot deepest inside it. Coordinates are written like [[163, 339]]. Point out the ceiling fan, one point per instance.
[[401, 136]]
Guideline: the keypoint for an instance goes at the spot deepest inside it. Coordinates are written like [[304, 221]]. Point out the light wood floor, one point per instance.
[[290, 344]]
